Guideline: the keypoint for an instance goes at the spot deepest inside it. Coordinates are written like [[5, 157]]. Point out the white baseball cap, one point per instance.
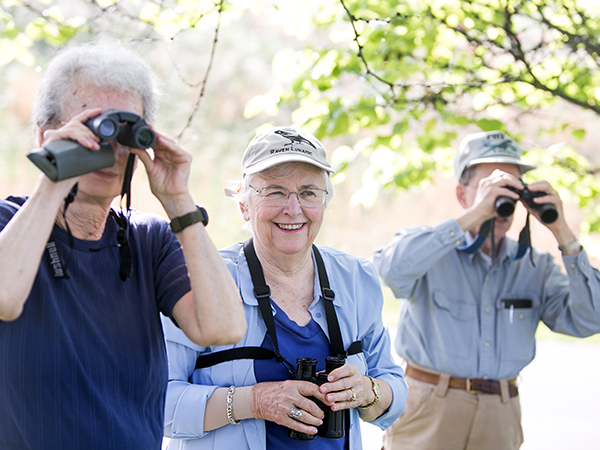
[[283, 144], [488, 147]]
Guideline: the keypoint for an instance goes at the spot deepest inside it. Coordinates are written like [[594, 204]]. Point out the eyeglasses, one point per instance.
[[278, 196]]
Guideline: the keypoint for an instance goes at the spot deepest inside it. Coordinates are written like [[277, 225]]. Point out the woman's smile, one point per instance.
[[290, 226]]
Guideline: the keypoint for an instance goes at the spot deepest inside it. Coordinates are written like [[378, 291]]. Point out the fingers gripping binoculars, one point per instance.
[[64, 159], [334, 422], [505, 206]]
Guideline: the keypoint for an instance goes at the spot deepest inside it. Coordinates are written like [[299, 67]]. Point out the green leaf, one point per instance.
[[578, 134]]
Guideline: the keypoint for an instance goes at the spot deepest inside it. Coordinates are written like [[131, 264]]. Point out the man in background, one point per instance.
[[472, 301]]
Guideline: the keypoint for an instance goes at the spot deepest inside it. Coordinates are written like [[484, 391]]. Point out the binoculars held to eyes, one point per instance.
[[64, 159], [505, 206], [334, 422]]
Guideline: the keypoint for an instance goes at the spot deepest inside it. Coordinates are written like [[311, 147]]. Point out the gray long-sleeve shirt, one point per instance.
[[466, 319]]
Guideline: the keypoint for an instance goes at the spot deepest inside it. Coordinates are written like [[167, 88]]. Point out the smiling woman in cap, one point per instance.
[[301, 301]]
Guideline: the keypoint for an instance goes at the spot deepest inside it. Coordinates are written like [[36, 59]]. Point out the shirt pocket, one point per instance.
[[518, 316], [455, 331], [458, 308]]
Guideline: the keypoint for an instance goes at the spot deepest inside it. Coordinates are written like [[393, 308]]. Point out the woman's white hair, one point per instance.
[[106, 66], [241, 189]]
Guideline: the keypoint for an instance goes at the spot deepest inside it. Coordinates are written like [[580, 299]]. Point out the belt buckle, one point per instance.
[[470, 390]]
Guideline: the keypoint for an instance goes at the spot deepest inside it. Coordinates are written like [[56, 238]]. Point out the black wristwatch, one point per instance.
[[179, 223]]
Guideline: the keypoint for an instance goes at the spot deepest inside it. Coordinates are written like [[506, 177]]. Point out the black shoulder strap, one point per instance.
[[262, 292], [335, 335], [125, 257], [126, 187], [211, 359], [16, 202], [52, 256]]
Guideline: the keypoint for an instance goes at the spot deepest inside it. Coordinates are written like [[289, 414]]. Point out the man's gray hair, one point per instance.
[[106, 66]]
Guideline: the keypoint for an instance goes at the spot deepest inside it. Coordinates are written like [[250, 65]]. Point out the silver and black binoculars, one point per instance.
[[64, 159]]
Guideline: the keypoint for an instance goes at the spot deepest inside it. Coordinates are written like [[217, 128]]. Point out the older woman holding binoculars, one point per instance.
[[83, 361], [316, 344]]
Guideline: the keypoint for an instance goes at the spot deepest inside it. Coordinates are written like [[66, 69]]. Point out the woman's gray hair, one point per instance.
[[106, 66]]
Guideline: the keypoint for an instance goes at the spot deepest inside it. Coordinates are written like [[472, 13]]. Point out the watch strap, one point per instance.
[[376, 391], [181, 222], [571, 247]]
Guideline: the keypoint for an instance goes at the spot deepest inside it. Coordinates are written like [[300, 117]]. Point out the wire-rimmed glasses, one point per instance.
[[278, 196]]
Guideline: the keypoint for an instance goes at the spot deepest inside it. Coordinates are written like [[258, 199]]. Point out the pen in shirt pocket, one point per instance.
[[511, 304]]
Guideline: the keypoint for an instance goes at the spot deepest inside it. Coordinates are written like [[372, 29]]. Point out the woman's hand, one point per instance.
[[75, 130], [275, 401], [168, 170], [347, 388]]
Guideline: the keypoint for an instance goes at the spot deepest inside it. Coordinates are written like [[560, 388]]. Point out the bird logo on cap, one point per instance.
[[294, 137]]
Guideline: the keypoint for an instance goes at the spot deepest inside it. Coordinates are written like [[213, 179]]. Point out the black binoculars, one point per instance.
[[505, 206], [334, 422], [64, 159]]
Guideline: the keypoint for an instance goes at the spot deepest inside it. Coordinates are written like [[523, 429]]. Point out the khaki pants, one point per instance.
[[439, 418]]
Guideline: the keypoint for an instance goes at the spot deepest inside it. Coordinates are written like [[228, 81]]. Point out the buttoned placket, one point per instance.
[[488, 319]]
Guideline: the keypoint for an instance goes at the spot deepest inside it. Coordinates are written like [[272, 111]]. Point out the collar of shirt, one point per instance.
[[507, 248], [247, 287]]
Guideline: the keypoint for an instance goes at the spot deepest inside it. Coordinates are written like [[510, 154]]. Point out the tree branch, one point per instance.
[[574, 40], [206, 74]]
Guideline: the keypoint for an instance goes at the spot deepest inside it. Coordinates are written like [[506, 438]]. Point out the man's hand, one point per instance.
[[482, 206], [559, 227]]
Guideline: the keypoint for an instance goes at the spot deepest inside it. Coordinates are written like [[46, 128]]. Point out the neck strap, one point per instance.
[[488, 228]]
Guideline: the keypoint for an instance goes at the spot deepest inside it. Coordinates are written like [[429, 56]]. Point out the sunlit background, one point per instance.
[[258, 46]]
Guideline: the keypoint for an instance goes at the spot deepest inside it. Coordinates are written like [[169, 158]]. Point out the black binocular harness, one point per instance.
[[262, 292]]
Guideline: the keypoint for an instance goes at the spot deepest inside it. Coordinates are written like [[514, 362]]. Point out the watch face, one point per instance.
[[376, 390]]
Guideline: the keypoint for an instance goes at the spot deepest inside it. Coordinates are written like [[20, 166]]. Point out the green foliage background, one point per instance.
[[408, 78], [390, 87]]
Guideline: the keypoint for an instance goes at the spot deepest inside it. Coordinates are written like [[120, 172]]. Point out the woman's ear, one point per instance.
[[244, 211]]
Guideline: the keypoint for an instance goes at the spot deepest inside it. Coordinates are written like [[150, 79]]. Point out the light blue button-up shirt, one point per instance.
[[358, 304], [456, 316]]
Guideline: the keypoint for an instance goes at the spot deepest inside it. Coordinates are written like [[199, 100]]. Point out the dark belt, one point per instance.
[[471, 385]]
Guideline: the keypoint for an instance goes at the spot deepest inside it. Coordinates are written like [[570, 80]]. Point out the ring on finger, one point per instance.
[[295, 413], [353, 399]]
